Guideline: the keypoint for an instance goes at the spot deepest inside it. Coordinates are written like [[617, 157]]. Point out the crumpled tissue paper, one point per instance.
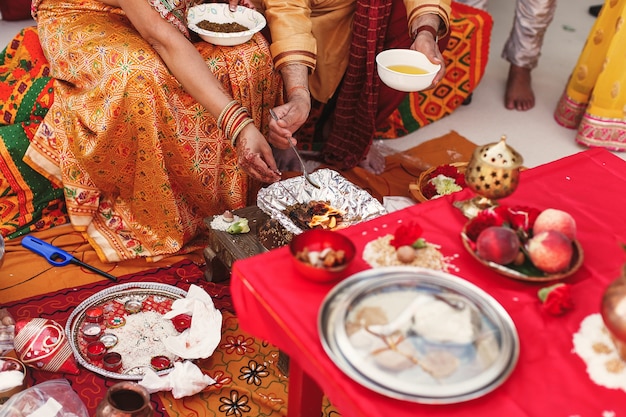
[[203, 336], [394, 203], [184, 380]]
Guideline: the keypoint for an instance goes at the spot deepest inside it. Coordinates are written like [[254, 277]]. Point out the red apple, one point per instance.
[[498, 244], [554, 219], [550, 251]]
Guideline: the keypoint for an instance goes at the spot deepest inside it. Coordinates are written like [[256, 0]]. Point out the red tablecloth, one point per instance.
[[274, 303]]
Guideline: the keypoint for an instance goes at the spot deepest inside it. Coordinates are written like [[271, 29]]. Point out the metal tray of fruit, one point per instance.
[[526, 271]]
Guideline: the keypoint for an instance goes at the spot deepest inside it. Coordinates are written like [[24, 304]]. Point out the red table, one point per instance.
[[273, 302]]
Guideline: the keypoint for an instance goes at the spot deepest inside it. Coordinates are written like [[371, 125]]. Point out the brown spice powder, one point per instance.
[[232, 27]]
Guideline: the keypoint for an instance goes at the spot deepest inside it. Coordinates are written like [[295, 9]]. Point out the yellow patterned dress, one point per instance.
[[140, 161], [594, 101]]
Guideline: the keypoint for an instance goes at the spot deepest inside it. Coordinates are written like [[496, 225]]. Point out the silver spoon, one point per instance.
[[304, 171]]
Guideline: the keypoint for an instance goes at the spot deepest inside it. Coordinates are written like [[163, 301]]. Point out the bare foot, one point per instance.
[[519, 93]]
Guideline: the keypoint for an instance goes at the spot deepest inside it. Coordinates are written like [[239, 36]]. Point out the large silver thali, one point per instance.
[[357, 204], [154, 297], [419, 335]]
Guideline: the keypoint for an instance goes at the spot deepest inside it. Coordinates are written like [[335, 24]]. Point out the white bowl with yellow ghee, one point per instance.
[[405, 69]]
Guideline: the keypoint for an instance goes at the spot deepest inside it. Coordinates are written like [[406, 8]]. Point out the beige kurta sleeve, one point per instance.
[[315, 33], [291, 30], [417, 8]]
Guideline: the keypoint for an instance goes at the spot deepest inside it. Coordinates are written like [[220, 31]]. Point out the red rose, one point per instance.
[[429, 190], [484, 219], [445, 170], [522, 217], [556, 299], [406, 234]]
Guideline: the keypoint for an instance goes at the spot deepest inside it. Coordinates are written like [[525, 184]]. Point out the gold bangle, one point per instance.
[[222, 117], [238, 130], [236, 118], [292, 89]]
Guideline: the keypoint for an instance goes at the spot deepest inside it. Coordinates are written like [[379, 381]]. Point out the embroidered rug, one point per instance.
[[249, 382]]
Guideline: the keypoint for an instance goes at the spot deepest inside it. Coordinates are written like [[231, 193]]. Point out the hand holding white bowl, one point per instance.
[[406, 69]]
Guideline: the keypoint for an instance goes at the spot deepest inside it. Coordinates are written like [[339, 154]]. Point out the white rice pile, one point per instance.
[[379, 252], [218, 222], [141, 338]]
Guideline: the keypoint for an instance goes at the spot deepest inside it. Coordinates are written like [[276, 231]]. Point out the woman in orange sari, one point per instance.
[[149, 132]]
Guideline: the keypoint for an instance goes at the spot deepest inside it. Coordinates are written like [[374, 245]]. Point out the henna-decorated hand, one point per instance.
[[254, 155]]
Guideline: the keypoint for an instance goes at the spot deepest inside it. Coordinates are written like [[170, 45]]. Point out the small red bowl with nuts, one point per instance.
[[322, 255]]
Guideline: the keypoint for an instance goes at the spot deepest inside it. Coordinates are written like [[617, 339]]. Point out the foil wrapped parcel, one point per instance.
[[357, 204]]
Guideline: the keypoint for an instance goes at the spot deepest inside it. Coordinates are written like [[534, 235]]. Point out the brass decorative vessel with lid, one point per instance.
[[492, 173]]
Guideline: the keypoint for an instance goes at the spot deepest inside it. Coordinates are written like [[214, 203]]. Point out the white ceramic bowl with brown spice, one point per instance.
[[221, 20]]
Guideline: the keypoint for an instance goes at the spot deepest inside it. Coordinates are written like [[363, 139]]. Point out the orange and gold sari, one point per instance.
[[141, 163]]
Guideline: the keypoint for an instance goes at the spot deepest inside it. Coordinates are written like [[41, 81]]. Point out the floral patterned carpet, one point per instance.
[[248, 380]]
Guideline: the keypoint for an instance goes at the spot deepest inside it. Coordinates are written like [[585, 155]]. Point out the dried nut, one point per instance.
[[405, 254], [228, 216]]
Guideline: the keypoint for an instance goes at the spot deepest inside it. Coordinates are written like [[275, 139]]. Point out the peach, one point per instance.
[[554, 219], [498, 244], [550, 251]]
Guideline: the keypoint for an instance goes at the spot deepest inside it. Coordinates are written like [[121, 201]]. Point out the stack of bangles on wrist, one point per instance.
[[232, 120]]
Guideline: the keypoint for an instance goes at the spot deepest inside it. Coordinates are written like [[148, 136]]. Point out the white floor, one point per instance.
[[534, 133]]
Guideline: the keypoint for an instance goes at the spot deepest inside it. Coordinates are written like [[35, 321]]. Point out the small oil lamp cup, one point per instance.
[[112, 361], [96, 350], [492, 173]]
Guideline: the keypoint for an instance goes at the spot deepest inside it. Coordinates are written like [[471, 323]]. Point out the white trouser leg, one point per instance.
[[532, 18]]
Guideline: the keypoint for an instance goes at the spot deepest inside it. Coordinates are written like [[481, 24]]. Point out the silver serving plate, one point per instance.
[[357, 204], [132, 289], [405, 296]]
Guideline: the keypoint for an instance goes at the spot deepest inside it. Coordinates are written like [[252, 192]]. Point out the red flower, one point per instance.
[[556, 299], [517, 218], [429, 190], [520, 217], [445, 170], [484, 219], [406, 234]]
